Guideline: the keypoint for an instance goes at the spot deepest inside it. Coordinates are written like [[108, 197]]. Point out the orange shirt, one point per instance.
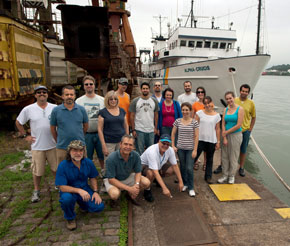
[[197, 106], [124, 103]]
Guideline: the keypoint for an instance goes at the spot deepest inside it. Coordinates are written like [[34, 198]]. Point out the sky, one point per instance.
[[243, 14]]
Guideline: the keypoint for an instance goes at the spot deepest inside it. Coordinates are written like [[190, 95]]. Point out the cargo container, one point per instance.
[[22, 64]]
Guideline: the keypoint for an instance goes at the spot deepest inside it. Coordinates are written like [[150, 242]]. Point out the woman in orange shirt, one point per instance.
[[200, 93]]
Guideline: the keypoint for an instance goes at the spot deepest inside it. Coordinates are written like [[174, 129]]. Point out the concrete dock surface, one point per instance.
[[204, 220]]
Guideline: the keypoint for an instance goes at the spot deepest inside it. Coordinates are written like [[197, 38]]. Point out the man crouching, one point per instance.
[[72, 179], [123, 171]]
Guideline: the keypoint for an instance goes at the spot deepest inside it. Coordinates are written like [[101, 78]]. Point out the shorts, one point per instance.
[[245, 142], [61, 155], [130, 181], [39, 158], [162, 171]]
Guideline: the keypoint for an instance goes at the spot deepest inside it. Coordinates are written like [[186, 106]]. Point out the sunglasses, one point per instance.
[[165, 143], [198, 92], [113, 99], [123, 83], [41, 92], [87, 84], [157, 85]]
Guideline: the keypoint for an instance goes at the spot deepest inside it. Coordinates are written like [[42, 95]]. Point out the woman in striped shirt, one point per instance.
[[187, 143]]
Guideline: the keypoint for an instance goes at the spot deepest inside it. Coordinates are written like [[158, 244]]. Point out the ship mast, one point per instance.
[[191, 16], [258, 28]]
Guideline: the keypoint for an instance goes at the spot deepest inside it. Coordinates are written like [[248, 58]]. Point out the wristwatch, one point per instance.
[[96, 191], [137, 183]]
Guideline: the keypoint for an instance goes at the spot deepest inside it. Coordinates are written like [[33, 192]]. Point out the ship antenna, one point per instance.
[[160, 21], [258, 28], [192, 21]]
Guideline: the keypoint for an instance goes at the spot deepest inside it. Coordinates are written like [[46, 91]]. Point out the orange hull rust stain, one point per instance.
[[165, 79]]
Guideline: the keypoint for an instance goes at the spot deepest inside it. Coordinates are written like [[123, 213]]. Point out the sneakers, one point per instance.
[[184, 188], [242, 172], [222, 179], [35, 196], [148, 196], [218, 170], [71, 224], [191, 193], [231, 180]]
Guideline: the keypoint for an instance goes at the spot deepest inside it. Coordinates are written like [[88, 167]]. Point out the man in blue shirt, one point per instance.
[[72, 179], [69, 121], [123, 171]]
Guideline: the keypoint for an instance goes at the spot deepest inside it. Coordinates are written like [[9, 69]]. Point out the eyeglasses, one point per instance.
[[123, 83], [41, 92], [157, 85], [113, 99], [87, 84], [165, 143], [198, 92]]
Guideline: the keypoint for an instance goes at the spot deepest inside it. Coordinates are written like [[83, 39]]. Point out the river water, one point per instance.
[[272, 134]]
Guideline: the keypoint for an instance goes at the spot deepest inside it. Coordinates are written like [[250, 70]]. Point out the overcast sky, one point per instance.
[[243, 14]]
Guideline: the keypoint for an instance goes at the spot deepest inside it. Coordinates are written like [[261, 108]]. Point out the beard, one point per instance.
[[187, 90]]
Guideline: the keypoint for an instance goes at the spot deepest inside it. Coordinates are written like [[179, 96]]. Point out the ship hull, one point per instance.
[[216, 76]]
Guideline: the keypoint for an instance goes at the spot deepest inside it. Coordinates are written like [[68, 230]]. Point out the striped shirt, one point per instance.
[[186, 134]]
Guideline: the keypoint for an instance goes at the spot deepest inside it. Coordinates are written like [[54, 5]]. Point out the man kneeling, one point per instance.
[[72, 178], [155, 165], [123, 171]]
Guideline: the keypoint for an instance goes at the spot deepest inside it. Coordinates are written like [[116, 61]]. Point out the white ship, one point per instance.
[[207, 57]]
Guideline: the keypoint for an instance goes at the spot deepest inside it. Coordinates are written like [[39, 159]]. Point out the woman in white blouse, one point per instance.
[[209, 135]]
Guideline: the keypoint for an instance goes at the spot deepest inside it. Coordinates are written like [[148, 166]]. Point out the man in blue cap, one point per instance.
[[159, 161]]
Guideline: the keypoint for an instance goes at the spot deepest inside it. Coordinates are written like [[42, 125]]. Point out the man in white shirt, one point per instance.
[[144, 118], [155, 161], [188, 96], [43, 145], [93, 103], [157, 89]]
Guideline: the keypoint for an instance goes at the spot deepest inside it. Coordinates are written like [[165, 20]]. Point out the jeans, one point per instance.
[[209, 149], [245, 142], [186, 167], [93, 143], [68, 201], [144, 139]]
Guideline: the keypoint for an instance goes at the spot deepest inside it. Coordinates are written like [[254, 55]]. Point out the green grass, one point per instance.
[[9, 159], [123, 233], [17, 210]]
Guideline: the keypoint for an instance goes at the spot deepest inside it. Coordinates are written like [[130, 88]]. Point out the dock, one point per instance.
[[204, 220]]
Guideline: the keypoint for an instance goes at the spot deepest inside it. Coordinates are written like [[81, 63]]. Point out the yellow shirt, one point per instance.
[[250, 112]]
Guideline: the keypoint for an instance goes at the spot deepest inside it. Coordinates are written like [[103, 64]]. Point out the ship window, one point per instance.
[[229, 45], [207, 44], [190, 43], [215, 45], [223, 45], [199, 44], [182, 42]]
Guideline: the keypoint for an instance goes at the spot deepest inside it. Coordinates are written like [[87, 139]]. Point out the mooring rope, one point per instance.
[[260, 151], [269, 164]]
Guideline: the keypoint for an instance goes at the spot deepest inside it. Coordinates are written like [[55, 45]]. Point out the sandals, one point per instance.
[[196, 166]]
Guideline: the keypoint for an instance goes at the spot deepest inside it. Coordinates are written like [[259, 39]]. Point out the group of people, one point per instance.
[[160, 129]]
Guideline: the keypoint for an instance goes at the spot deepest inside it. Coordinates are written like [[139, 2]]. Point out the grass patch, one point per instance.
[[18, 209], [9, 159], [123, 233], [97, 242]]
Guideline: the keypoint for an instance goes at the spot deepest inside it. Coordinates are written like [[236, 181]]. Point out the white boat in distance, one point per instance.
[[205, 56]]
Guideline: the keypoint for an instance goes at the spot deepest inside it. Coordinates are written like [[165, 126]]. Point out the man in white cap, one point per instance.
[[43, 145]]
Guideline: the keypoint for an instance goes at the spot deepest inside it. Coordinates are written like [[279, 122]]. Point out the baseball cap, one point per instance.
[[123, 81], [40, 87], [165, 138]]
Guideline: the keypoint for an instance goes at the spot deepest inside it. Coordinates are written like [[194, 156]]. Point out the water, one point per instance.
[[272, 134]]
